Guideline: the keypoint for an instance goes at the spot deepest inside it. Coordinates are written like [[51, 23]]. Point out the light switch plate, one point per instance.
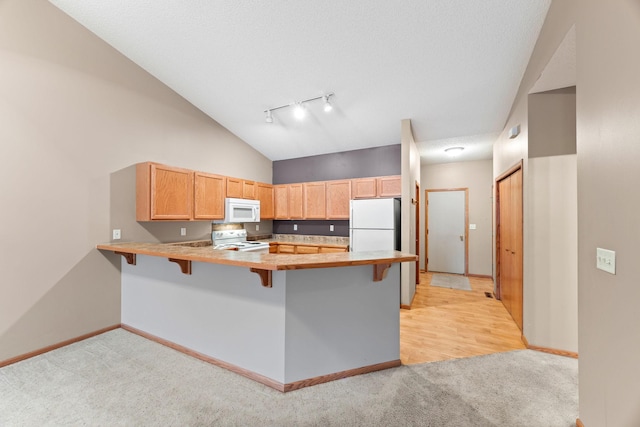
[[606, 260], [472, 226], [116, 234]]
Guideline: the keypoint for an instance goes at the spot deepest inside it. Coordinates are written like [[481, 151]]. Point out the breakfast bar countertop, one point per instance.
[[258, 260]]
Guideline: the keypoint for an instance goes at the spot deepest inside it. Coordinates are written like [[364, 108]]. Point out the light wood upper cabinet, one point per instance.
[[364, 188], [281, 201], [235, 188], [265, 193], [209, 196], [338, 197], [249, 190], [163, 192], [315, 200], [376, 187], [389, 186], [295, 201]]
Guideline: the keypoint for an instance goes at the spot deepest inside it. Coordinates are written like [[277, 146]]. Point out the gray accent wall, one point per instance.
[[377, 161], [552, 122]]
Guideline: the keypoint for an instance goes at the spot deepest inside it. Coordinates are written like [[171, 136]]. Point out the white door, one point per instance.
[[446, 231]]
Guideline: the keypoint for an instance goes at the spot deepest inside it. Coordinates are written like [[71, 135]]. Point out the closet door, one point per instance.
[[510, 247], [516, 247], [505, 242]]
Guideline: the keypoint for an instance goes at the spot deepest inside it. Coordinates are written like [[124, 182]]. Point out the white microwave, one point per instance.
[[241, 210]]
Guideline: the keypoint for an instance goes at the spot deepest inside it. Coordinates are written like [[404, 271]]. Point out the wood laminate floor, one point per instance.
[[449, 324]]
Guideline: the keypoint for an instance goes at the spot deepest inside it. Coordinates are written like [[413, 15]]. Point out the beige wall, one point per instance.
[[477, 177], [548, 308], [552, 279], [608, 111], [75, 115], [410, 175]]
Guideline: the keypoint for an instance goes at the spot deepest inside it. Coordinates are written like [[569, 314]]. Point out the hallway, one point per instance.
[[449, 324]]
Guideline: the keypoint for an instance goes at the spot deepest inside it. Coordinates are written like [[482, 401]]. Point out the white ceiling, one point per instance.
[[451, 66]]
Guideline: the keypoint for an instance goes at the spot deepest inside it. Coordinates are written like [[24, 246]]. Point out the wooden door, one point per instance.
[[504, 242], [281, 201], [234, 188], [364, 188], [509, 253], [249, 190], [265, 194], [338, 197], [315, 200], [209, 196], [390, 186], [516, 248], [295, 201], [171, 193]]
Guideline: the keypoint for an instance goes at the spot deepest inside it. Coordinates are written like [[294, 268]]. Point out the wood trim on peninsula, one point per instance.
[[296, 385]]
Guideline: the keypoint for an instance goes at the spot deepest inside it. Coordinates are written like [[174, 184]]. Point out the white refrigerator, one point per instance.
[[374, 225]]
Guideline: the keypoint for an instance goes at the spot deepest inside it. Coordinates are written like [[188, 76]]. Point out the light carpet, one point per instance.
[[450, 281], [119, 378]]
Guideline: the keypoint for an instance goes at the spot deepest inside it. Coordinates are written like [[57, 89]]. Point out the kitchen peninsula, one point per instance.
[[285, 320]]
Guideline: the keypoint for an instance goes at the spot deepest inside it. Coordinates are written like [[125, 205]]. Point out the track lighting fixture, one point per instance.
[[299, 111]]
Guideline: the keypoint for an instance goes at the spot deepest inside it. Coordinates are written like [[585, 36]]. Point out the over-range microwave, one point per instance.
[[241, 210]]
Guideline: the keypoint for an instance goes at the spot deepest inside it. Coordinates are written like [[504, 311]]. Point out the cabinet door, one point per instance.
[[281, 201], [208, 201], [389, 186], [171, 192], [295, 201], [364, 188], [235, 187], [249, 190], [338, 197], [315, 200], [265, 195]]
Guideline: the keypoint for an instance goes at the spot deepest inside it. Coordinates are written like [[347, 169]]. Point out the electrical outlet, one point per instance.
[[606, 260], [116, 234], [295, 227], [331, 227], [257, 227], [183, 231]]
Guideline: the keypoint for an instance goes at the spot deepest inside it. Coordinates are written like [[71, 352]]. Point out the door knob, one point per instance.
[[462, 238]]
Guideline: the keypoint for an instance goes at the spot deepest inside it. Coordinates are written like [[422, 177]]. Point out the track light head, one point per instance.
[[299, 112], [327, 105]]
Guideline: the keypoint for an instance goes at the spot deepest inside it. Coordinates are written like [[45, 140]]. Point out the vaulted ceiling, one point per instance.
[[451, 66]]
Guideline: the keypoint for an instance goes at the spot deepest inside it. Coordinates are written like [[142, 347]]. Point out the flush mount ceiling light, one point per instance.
[[299, 111], [452, 151]]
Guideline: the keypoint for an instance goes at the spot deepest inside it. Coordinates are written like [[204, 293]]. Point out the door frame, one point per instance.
[[513, 169], [466, 225], [417, 205]]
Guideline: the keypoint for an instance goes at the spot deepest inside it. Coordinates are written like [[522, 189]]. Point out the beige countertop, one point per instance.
[[258, 260]]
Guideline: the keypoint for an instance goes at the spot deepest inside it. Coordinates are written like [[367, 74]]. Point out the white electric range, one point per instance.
[[236, 240]]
